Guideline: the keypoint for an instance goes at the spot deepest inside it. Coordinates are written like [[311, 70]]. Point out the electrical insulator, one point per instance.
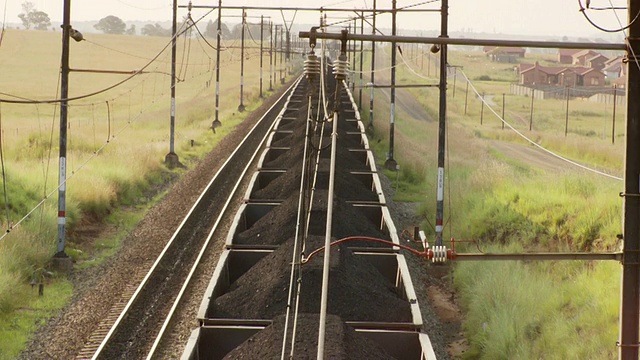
[[439, 254], [312, 66], [341, 68]]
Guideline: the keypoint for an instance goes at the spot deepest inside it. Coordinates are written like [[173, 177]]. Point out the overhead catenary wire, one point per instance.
[[533, 142], [321, 98], [318, 149], [299, 233], [626, 36], [94, 155], [583, 10]]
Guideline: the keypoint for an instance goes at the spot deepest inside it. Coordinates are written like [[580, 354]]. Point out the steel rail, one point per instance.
[[187, 282], [171, 242], [466, 41]]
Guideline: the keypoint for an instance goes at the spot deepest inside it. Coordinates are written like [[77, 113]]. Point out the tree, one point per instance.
[[155, 30], [212, 30], [40, 20], [131, 30], [111, 25], [31, 17]]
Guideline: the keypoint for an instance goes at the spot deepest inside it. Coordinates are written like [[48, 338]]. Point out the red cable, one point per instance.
[[366, 238]]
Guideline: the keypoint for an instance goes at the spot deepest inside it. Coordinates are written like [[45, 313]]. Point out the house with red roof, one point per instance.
[[565, 56], [536, 74], [581, 57], [504, 54], [597, 61], [614, 68]]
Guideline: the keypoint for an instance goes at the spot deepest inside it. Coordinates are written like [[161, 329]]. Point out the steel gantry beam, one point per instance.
[[470, 42], [315, 9]]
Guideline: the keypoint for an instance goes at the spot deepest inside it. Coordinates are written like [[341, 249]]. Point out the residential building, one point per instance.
[[504, 54], [580, 58], [614, 68], [596, 62], [565, 56], [536, 74]]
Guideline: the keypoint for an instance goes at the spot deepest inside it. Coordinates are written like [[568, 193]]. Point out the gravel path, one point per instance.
[[98, 288]]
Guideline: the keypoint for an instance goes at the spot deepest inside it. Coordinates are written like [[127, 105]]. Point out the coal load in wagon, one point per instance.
[[358, 292], [345, 159], [347, 186], [279, 224], [341, 341]]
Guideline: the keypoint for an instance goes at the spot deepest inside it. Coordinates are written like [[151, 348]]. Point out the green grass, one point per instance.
[[519, 310], [548, 318], [17, 325]]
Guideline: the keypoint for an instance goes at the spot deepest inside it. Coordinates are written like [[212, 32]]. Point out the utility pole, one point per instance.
[[630, 305], [353, 65], [281, 54], [241, 107], [361, 59], [171, 159], [261, 40], [64, 106], [349, 55], [216, 122], [288, 46], [442, 118], [271, 56], [373, 68], [391, 163]]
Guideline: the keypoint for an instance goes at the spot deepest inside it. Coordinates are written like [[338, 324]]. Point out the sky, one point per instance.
[[520, 17]]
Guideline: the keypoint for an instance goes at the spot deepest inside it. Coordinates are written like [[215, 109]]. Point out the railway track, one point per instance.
[[315, 176], [133, 324], [265, 298]]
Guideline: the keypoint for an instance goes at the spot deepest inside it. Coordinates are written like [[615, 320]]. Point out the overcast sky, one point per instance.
[[524, 17]]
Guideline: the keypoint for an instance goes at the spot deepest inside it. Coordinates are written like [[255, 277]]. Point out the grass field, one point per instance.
[[117, 141], [523, 310]]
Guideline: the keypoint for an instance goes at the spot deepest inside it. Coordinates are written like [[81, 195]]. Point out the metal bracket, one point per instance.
[[630, 58], [618, 344], [623, 194], [313, 40]]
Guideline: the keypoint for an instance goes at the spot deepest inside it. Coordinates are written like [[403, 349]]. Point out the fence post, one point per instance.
[[455, 73], [533, 95], [566, 116], [481, 108], [503, 111], [613, 126], [466, 97]]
